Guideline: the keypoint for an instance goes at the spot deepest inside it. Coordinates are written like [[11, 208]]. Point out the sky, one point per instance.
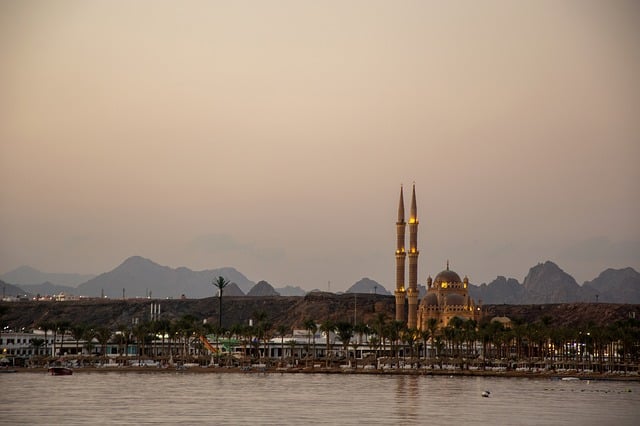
[[274, 136]]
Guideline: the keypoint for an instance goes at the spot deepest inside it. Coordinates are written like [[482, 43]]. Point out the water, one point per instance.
[[270, 399]]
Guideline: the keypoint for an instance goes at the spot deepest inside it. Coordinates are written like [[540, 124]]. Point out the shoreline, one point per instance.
[[347, 371]]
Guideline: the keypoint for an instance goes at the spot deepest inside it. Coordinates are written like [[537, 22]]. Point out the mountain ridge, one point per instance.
[[546, 282], [28, 276], [137, 276]]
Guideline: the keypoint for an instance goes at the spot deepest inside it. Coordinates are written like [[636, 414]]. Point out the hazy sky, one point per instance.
[[273, 136]]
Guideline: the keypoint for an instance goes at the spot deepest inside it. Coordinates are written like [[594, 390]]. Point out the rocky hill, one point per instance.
[[262, 289], [616, 286], [566, 314], [547, 283], [231, 290], [289, 311], [368, 286], [500, 290]]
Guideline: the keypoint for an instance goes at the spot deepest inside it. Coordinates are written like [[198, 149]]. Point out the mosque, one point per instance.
[[447, 295]]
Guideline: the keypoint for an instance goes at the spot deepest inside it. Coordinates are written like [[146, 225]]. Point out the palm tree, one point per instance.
[[409, 337], [220, 283], [311, 326], [238, 332], [78, 331], [379, 325], [282, 330], [355, 345], [123, 340], [36, 344], [327, 328], [103, 334], [185, 328], [140, 332], [374, 342], [292, 347], [361, 329], [344, 329], [456, 324], [154, 329], [61, 328], [470, 336], [432, 326], [46, 326], [425, 335], [88, 336], [392, 331], [265, 332], [162, 326]]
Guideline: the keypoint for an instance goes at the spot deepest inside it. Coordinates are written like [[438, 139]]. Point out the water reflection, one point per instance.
[[128, 398], [407, 398]]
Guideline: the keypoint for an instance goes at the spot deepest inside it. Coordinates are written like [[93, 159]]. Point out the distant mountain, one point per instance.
[[9, 290], [616, 286], [140, 277], [290, 291], [547, 283], [26, 275], [499, 291], [232, 290], [263, 288], [368, 286]]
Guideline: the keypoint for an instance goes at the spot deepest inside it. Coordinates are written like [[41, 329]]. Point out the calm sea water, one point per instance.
[[275, 399]]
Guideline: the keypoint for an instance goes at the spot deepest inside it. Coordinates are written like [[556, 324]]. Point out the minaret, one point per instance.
[[400, 257], [412, 292]]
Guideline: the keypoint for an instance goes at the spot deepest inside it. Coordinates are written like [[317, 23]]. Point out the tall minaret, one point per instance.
[[412, 292], [400, 257]]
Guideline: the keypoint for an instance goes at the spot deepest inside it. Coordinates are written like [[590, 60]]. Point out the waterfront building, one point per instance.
[[447, 296]]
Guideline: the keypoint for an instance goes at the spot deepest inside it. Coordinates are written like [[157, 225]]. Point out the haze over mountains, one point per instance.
[[140, 277], [26, 275]]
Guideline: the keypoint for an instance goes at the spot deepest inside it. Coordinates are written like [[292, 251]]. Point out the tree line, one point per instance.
[[461, 343]]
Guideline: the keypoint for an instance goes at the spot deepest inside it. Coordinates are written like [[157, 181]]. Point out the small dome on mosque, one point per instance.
[[430, 300]]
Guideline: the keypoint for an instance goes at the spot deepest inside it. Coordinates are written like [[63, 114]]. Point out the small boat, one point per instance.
[[486, 394], [60, 371]]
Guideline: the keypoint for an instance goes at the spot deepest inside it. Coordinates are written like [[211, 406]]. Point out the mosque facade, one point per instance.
[[447, 295]]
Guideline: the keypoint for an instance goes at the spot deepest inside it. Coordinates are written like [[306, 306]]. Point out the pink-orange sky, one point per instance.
[[273, 136]]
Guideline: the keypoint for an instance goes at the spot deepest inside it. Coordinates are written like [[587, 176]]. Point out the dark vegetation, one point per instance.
[[537, 332]]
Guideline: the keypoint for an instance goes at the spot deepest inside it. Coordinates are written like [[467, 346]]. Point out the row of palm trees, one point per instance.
[[460, 342], [162, 337], [466, 341]]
